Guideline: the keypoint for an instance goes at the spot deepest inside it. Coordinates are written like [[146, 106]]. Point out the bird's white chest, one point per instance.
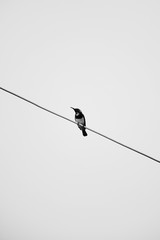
[[79, 120]]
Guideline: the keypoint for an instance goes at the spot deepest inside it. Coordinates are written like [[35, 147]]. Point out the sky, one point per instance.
[[99, 56]]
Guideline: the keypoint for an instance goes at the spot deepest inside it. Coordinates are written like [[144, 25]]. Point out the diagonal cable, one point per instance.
[[58, 115]]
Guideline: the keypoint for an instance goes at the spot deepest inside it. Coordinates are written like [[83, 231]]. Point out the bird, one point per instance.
[[81, 121]]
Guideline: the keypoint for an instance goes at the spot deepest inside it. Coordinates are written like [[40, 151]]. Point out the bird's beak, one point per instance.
[[72, 108]]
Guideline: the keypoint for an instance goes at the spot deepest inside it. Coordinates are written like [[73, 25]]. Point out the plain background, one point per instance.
[[102, 57]]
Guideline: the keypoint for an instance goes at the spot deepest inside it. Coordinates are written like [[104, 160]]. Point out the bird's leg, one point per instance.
[[79, 125]]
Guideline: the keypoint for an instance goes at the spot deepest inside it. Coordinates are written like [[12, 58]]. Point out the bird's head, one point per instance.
[[77, 110]]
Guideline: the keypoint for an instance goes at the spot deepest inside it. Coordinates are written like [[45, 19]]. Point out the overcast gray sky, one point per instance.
[[99, 56]]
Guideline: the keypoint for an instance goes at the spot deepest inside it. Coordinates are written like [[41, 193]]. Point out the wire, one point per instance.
[[58, 115]]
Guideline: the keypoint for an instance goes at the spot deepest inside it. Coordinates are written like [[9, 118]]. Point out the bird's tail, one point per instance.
[[84, 132]]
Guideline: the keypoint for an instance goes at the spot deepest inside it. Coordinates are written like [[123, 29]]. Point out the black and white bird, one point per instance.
[[81, 121]]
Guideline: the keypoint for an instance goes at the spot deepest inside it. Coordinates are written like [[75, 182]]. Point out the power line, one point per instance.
[[58, 115]]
